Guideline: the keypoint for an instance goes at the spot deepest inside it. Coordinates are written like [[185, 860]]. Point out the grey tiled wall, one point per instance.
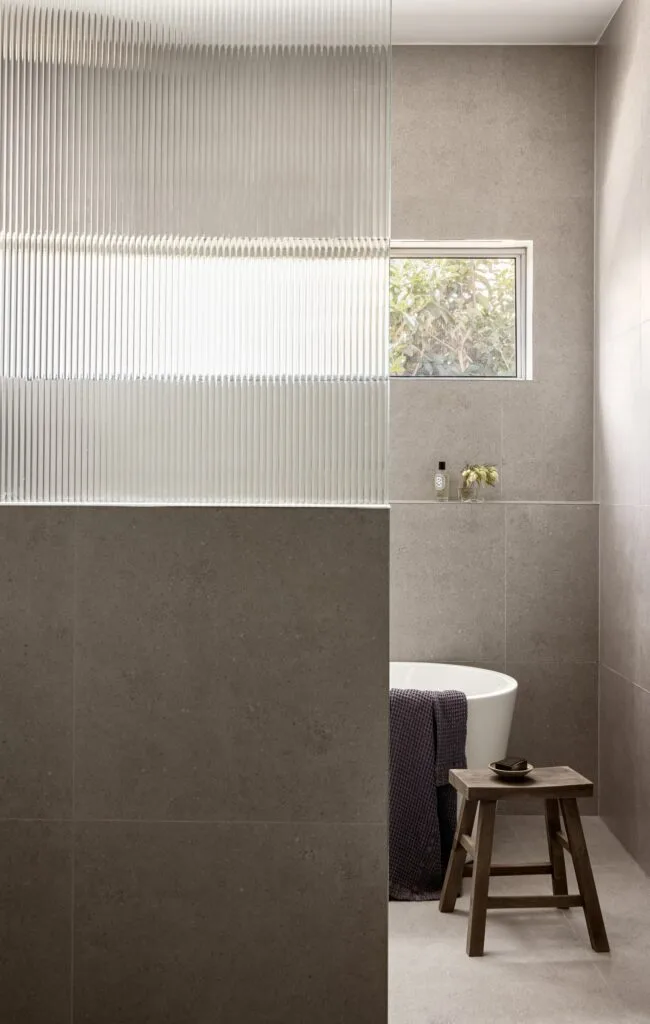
[[623, 420], [492, 142], [512, 587], [193, 763]]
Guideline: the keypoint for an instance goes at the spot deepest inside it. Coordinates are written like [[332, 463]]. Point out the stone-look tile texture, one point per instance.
[[497, 142], [230, 923], [556, 718], [539, 966], [624, 757], [224, 649], [623, 422], [623, 568], [35, 922], [447, 582], [221, 676], [456, 421], [36, 589], [552, 583], [514, 586]]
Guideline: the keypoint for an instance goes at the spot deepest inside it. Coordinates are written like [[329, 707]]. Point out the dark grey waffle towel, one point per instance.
[[428, 731]]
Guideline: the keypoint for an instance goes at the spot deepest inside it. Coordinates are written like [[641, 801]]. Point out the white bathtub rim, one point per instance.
[[506, 684]]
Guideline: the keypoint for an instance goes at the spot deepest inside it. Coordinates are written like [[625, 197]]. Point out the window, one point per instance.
[[461, 309]]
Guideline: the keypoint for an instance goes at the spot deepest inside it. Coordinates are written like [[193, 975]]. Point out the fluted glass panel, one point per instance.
[[194, 251]]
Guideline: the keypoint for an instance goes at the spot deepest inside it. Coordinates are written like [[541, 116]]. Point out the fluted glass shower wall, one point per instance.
[[194, 251]]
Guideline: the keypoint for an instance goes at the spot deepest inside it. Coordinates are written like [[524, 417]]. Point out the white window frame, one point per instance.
[[522, 252]]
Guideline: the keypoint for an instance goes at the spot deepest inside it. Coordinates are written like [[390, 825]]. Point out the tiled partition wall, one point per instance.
[[623, 416], [192, 758], [491, 143], [193, 700]]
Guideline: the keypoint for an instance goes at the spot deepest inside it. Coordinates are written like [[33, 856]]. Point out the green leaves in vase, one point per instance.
[[474, 477]]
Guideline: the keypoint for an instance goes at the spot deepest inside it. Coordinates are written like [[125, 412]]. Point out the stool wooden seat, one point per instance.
[[480, 791]]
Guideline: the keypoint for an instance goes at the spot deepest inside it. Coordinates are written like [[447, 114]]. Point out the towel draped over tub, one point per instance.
[[428, 733]]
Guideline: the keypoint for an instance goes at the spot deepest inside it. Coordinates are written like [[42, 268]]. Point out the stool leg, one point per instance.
[[454, 875], [481, 878], [585, 877], [555, 851]]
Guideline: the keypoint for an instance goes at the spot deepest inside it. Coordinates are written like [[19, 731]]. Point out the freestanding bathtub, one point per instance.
[[490, 702]]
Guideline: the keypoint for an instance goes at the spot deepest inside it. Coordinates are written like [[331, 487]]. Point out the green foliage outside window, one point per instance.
[[453, 317]]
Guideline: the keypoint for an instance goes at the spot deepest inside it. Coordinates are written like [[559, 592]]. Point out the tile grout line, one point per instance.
[[599, 680], [505, 589], [505, 547], [625, 679], [73, 853], [73, 835], [503, 482], [492, 501], [239, 822]]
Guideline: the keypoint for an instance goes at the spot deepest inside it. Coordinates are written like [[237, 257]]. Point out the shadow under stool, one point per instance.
[[480, 791]]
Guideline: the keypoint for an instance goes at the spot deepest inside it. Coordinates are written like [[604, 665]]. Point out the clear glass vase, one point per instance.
[[469, 492]]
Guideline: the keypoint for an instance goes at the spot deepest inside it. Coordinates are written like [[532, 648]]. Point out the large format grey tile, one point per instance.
[[563, 297], [548, 102], [529, 833], [642, 775], [618, 767], [447, 583], [621, 87], [552, 583], [431, 158], [619, 221], [624, 892], [35, 922], [232, 664], [644, 426], [535, 970], [434, 420], [276, 924], [621, 416], [643, 654], [562, 977], [548, 422], [605, 849], [556, 718], [645, 227], [622, 119], [625, 762], [527, 129], [563, 363], [548, 439], [36, 576], [621, 589]]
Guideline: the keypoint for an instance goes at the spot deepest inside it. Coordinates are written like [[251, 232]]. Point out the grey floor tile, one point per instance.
[[605, 849], [533, 971], [625, 897], [539, 967]]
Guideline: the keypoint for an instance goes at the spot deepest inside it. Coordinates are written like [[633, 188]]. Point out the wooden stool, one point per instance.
[[480, 791]]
